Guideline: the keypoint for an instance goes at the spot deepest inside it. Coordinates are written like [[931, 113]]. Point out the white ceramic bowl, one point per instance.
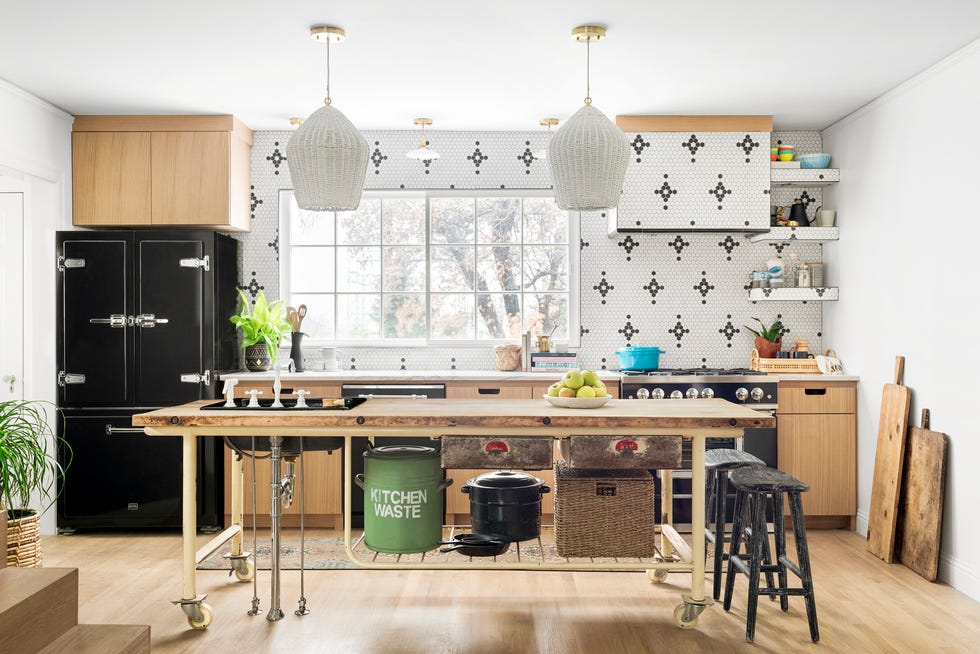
[[578, 402]]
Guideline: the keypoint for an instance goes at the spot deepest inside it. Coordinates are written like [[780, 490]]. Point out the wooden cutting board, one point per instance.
[[893, 423], [920, 510]]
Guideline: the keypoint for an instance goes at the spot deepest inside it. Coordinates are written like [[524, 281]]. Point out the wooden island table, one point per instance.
[[694, 419]]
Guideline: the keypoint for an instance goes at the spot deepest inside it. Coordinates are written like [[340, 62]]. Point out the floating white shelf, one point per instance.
[[799, 177], [820, 234], [826, 294]]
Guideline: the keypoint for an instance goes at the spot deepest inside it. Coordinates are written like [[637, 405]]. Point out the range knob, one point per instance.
[[642, 394], [657, 394], [707, 393], [676, 395], [692, 393], [757, 394], [741, 393]]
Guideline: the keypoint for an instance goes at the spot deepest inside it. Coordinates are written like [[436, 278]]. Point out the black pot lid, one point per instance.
[[504, 479], [400, 452]]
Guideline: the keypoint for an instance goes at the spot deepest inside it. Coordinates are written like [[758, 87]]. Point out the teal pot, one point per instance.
[[257, 358], [403, 498]]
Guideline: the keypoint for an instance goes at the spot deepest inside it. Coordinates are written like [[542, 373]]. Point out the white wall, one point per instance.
[[909, 219], [35, 158]]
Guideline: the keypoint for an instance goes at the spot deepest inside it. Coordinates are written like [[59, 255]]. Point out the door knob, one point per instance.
[[10, 379]]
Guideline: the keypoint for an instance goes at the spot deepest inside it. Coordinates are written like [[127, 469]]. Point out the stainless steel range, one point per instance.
[[749, 387]]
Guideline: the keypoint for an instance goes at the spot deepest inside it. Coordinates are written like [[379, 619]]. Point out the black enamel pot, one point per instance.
[[507, 504]]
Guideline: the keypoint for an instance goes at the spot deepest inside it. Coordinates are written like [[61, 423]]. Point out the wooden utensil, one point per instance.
[[889, 458], [300, 314], [920, 511], [293, 318]]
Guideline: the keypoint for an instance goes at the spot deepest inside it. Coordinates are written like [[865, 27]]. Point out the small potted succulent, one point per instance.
[[29, 469], [768, 340], [263, 327]]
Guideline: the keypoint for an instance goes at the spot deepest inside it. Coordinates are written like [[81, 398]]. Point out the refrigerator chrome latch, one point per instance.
[[115, 320], [148, 320], [65, 378], [197, 378], [203, 262], [64, 263]]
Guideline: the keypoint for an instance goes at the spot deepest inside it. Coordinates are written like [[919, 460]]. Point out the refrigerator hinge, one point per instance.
[[197, 378], [204, 262], [64, 263], [65, 378]]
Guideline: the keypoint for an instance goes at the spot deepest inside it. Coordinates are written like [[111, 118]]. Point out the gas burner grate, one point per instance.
[[697, 372]]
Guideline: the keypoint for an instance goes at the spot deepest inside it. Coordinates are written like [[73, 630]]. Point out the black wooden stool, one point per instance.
[[717, 465], [753, 486]]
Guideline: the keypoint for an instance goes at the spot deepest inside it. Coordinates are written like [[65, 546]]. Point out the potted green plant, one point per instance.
[[768, 340], [27, 467], [263, 327]]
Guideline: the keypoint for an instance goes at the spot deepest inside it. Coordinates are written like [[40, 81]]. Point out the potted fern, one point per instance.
[[263, 327], [768, 340], [27, 468]]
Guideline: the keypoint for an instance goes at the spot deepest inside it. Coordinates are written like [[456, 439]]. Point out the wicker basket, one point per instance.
[[24, 540], [604, 513], [786, 366]]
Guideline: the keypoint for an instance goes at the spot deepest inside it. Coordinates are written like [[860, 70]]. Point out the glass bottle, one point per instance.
[[791, 269], [803, 275]]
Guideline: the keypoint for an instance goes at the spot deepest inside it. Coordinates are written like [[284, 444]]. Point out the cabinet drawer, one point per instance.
[[817, 397], [488, 391], [500, 452], [622, 452]]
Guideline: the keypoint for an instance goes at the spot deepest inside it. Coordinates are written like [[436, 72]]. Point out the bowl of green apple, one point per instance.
[[578, 389]]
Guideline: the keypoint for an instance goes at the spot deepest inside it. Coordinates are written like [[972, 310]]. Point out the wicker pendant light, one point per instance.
[[588, 154], [327, 156]]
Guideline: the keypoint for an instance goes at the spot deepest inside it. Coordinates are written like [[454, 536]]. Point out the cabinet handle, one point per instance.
[[814, 391], [488, 391]]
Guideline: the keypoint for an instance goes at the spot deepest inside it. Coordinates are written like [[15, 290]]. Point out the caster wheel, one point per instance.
[[246, 572], [679, 620], [207, 616], [657, 576]]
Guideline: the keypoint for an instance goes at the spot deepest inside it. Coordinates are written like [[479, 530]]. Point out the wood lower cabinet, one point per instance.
[[323, 475], [817, 443], [167, 171]]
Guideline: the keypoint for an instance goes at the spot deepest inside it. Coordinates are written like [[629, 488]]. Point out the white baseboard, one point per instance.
[[862, 523], [961, 577]]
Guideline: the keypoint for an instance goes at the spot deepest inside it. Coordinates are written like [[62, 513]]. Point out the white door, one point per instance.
[[11, 296]]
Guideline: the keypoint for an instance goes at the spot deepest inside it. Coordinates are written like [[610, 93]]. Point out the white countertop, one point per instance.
[[802, 377], [409, 375]]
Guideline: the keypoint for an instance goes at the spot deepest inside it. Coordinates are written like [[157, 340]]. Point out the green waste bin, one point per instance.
[[403, 498]]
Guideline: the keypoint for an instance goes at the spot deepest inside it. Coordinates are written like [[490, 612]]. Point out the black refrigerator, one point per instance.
[[142, 324]]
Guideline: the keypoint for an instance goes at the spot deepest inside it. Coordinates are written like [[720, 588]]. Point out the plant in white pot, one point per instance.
[[28, 468], [263, 327]]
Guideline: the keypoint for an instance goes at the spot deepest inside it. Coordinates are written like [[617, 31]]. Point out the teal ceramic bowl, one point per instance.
[[817, 160]]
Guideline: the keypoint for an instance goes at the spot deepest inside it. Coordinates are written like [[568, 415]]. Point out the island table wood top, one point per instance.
[[461, 416]]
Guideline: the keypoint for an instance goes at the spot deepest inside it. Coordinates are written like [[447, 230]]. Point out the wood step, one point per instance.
[[37, 605], [102, 639]]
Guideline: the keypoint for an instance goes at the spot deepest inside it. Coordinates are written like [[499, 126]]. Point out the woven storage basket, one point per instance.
[[327, 160], [604, 513], [587, 157], [24, 541]]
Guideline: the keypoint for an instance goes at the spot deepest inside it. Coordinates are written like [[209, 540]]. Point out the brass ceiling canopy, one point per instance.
[[585, 33], [422, 121], [327, 33], [295, 122], [548, 122]]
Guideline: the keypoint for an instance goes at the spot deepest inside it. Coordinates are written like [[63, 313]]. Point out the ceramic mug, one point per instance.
[[825, 217], [329, 358]]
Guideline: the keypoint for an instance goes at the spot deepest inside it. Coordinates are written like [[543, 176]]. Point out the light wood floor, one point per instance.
[[863, 606]]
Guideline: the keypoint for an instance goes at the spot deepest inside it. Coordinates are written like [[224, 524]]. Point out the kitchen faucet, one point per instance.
[[277, 384]]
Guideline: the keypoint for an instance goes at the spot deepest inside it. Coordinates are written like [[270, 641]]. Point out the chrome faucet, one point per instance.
[[277, 384]]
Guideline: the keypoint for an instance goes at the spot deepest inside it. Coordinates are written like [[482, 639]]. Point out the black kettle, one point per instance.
[[798, 213]]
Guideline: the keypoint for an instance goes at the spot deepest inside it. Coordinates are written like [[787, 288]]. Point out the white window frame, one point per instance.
[[574, 278]]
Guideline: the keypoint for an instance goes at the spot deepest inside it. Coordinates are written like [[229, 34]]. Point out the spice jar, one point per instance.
[[803, 275]]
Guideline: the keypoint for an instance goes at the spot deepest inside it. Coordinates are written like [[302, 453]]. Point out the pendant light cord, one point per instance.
[[327, 99], [588, 65]]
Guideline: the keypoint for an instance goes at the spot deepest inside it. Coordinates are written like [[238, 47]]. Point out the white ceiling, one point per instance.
[[495, 64]]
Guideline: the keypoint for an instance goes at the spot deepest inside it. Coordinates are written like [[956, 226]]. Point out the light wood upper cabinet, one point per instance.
[[168, 171], [111, 178]]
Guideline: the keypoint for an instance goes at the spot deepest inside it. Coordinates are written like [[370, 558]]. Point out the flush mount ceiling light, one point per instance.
[[327, 156], [588, 154], [422, 153], [549, 122]]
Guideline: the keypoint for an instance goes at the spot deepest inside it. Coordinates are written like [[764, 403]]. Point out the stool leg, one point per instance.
[[803, 559], [738, 528], [755, 563], [779, 531], [721, 492], [763, 499]]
